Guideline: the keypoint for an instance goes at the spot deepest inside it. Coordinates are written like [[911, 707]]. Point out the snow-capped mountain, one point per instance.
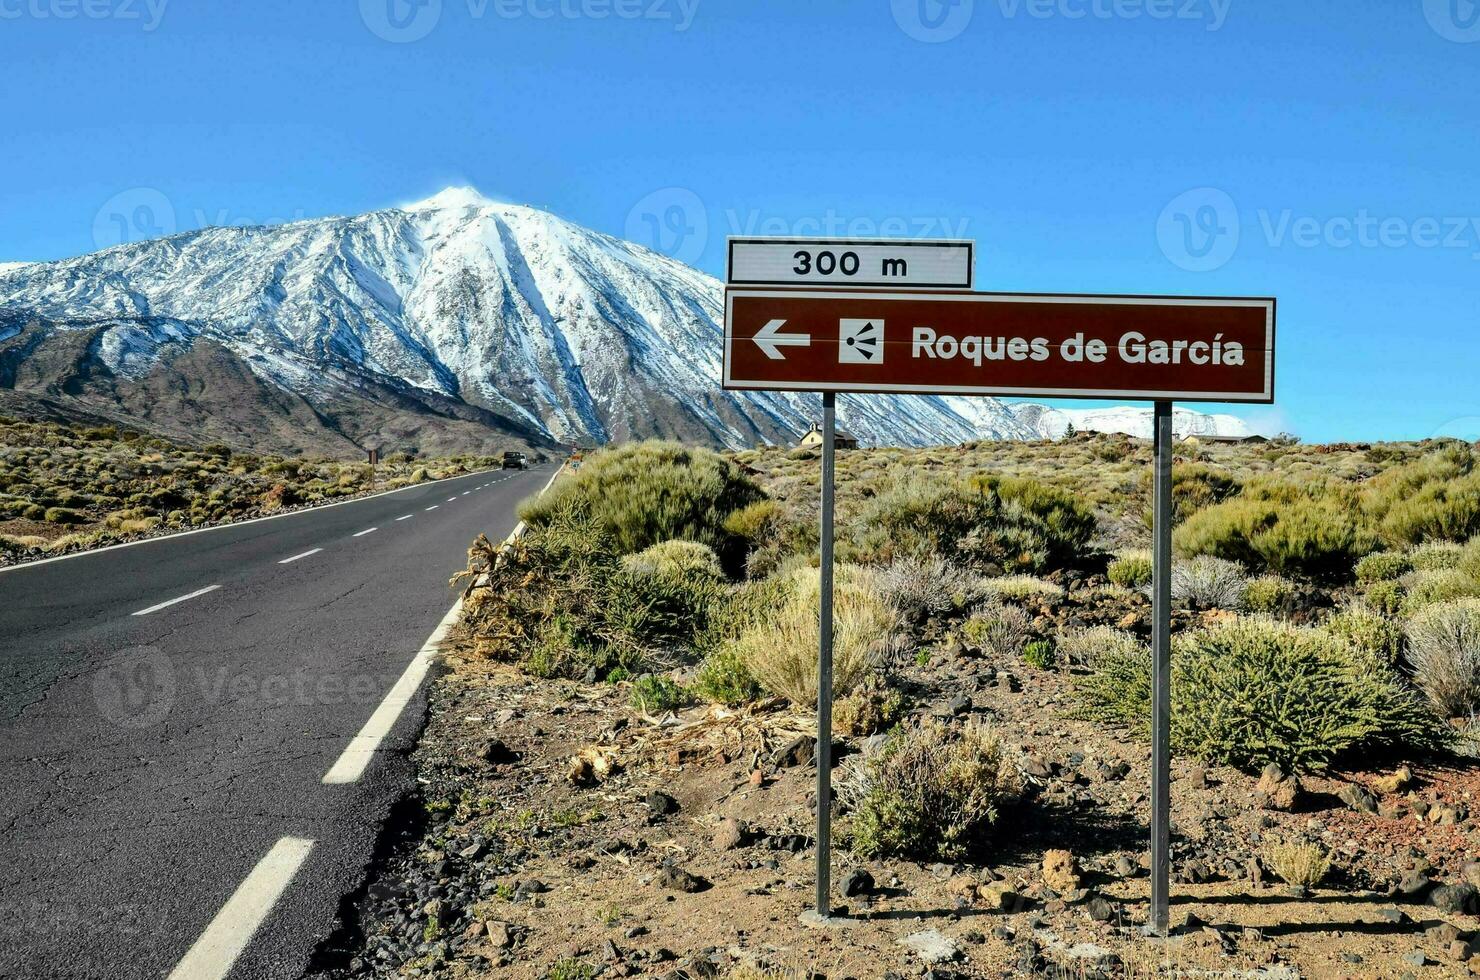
[[428, 325]]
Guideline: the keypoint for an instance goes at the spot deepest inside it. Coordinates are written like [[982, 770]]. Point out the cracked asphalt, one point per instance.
[[150, 761]]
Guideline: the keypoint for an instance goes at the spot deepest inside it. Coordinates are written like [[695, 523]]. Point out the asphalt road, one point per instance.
[[149, 763]]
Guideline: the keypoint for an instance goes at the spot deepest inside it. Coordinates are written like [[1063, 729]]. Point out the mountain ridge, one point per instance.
[[425, 323]]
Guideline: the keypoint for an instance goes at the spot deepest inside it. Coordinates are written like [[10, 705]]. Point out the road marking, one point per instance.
[[451, 500], [466, 492], [215, 952], [350, 765], [368, 530], [219, 527], [405, 517], [434, 506], [313, 551], [171, 602]]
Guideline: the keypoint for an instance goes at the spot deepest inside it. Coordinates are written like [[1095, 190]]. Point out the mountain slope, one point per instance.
[[433, 326]]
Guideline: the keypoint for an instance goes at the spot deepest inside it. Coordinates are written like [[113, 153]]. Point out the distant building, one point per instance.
[[1227, 439], [813, 439]]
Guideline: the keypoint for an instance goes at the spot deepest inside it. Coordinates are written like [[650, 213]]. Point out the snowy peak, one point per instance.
[[470, 306]]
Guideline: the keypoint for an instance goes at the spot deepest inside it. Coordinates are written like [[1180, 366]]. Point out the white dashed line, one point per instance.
[[434, 506], [171, 602], [451, 499], [215, 952], [304, 555], [368, 530], [405, 517]]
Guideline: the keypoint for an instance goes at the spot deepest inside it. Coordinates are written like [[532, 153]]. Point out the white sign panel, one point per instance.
[[850, 262]]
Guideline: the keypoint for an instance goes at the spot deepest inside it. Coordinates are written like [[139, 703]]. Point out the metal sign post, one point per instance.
[[1161, 669], [823, 752], [893, 317]]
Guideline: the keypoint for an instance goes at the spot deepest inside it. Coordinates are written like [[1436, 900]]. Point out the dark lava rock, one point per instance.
[[858, 882], [1453, 898], [677, 879], [797, 752], [661, 803]]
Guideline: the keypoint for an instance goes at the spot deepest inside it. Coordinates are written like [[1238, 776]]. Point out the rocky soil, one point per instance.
[[560, 833]]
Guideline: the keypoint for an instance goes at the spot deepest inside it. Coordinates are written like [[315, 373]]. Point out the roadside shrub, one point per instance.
[[1444, 655], [1386, 597], [680, 561], [935, 794], [1435, 556], [1442, 585], [1439, 511], [987, 524], [921, 587], [868, 709], [1039, 654], [1131, 569], [724, 679], [1087, 644], [1301, 864], [647, 492], [1208, 583], [1259, 691], [999, 628], [1270, 594], [780, 651], [655, 694], [64, 515], [1117, 688], [1313, 531], [1382, 566], [1368, 630]]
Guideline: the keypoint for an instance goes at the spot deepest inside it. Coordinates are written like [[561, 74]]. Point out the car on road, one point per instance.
[[516, 461]]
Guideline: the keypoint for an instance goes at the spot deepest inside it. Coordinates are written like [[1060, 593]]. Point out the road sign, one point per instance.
[[850, 263], [1143, 347]]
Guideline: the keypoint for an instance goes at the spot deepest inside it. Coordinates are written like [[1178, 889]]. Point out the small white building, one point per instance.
[[813, 439]]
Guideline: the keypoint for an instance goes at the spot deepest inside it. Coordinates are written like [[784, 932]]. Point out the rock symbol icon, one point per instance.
[[861, 342]]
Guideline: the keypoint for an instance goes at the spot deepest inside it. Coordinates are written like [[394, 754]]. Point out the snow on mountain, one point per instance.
[[461, 300], [1052, 423]]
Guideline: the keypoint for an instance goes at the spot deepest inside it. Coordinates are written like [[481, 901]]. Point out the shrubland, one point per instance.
[[1325, 600], [70, 487]]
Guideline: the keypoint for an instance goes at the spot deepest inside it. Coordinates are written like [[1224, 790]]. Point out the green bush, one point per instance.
[[1386, 597], [1442, 585], [1019, 588], [647, 492], [653, 694], [1314, 531], [1039, 654], [724, 679], [869, 708], [1131, 569], [990, 522], [1435, 556], [1270, 594], [934, 794], [1444, 654], [64, 515], [1259, 691], [1117, 687], [1368, 630], [1382, 566]]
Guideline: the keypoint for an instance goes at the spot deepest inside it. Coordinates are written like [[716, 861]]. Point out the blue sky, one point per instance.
[[1322, 152]]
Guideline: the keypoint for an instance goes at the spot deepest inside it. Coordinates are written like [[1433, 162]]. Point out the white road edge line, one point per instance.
[[171, 602], [312, 551], [405, 517], [368, 530], [351, 764], [216, 951], [220, 527]]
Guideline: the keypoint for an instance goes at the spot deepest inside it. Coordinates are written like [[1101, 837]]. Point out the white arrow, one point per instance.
[[771, 342]]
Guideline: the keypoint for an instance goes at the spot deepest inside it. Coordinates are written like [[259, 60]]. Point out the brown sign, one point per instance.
[[1178, 348]]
